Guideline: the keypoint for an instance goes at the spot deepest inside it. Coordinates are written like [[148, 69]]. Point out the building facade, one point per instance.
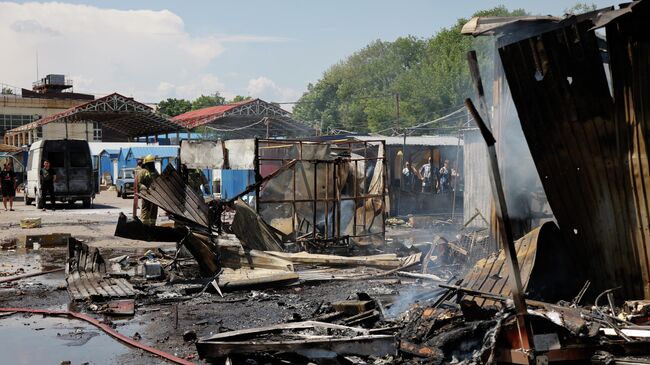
[[50, 95]]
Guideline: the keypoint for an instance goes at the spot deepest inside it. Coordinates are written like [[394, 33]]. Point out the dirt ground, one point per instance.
[[155, 324], [95, 225]]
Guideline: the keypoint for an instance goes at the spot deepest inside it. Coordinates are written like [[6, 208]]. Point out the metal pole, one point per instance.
[[453, 190], [401, 166], [507, 239]]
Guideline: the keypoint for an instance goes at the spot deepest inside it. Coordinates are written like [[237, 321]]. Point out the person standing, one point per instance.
[[407, 177], [197, 181], [426, 176], [48, 178], [445, 178], [146, 176], [8, 181]]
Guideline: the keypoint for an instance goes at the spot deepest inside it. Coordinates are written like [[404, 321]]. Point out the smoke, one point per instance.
[[406, 299], [525, 197]]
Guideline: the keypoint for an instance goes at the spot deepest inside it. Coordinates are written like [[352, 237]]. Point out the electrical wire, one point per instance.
[[234, 129]]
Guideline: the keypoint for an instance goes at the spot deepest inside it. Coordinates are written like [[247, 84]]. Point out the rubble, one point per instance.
[[311, 339], [300, 267]]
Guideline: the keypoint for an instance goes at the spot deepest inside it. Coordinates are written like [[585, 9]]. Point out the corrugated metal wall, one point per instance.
[[477, 190], [629, 55], [566, 111]]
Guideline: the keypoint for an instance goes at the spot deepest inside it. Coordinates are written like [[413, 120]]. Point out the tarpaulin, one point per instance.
[[241, 154], [202, 154]]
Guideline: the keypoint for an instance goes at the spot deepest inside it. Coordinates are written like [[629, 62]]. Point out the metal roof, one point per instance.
[[97, 147], [498, 25], [415, 140], [110, 152], [114, 111], [158, 151], [246, 119], [203, 116]]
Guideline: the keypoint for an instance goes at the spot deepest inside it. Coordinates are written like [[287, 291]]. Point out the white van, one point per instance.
[[72, 165]]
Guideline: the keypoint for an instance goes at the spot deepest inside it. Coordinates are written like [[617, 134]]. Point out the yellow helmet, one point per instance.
[[149, 158]]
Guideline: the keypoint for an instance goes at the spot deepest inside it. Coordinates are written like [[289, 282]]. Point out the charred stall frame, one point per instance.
[[330, 237]]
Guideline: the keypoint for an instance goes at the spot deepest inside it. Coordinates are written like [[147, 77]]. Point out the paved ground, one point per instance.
[[95, 225]]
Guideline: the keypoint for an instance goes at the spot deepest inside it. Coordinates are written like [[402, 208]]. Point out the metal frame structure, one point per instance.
[[328, 203], [252, 118], [114, 111]]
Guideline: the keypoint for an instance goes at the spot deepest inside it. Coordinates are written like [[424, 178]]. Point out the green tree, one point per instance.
[[205, 101], [580, 8], [174, 107], [238, 98], [7, 91], [430, 75]]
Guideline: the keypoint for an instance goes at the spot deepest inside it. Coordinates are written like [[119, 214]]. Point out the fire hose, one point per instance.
[[104, 327]]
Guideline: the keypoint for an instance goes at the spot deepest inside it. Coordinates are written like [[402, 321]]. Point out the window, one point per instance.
[[11, 121], [30, 161], [78, 158], [57, 159], [97, 132]]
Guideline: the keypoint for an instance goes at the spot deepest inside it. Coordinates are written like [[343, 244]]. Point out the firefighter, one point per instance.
[[146, 176], [197, 180]]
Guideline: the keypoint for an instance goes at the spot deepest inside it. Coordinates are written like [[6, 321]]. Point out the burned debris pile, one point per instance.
[[299, 249]]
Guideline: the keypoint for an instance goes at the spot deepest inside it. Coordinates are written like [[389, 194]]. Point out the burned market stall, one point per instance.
[[308, 195], [323, 194], [576, 84], [572, 92]]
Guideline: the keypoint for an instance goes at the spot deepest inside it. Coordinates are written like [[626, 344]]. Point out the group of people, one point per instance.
[[433, 180], [9, 184]]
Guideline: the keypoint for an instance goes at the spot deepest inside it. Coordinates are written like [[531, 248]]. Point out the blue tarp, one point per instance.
[[234, 182], [158, 151], [106, 162], [166, 154]]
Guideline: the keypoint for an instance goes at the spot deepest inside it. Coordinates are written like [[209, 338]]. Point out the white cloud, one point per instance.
[[247, 38], [141, 53], [265, 88], [205, 84]]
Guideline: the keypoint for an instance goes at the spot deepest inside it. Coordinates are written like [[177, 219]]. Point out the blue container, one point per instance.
[[234, 182]]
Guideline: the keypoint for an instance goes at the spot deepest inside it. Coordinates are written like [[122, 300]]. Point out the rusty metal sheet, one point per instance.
[[252, 231], [123, 307], [561, 93], [545, 264], [629, 60], [87, 278], [173, 195], [356, 342]]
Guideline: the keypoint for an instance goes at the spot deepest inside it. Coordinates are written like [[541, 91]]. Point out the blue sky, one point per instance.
[[269, 48]]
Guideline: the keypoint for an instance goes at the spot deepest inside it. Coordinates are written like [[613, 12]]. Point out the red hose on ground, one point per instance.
[[104, 327]]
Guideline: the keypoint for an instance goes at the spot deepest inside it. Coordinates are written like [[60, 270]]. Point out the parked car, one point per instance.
[[72, 165], [124, 183]]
